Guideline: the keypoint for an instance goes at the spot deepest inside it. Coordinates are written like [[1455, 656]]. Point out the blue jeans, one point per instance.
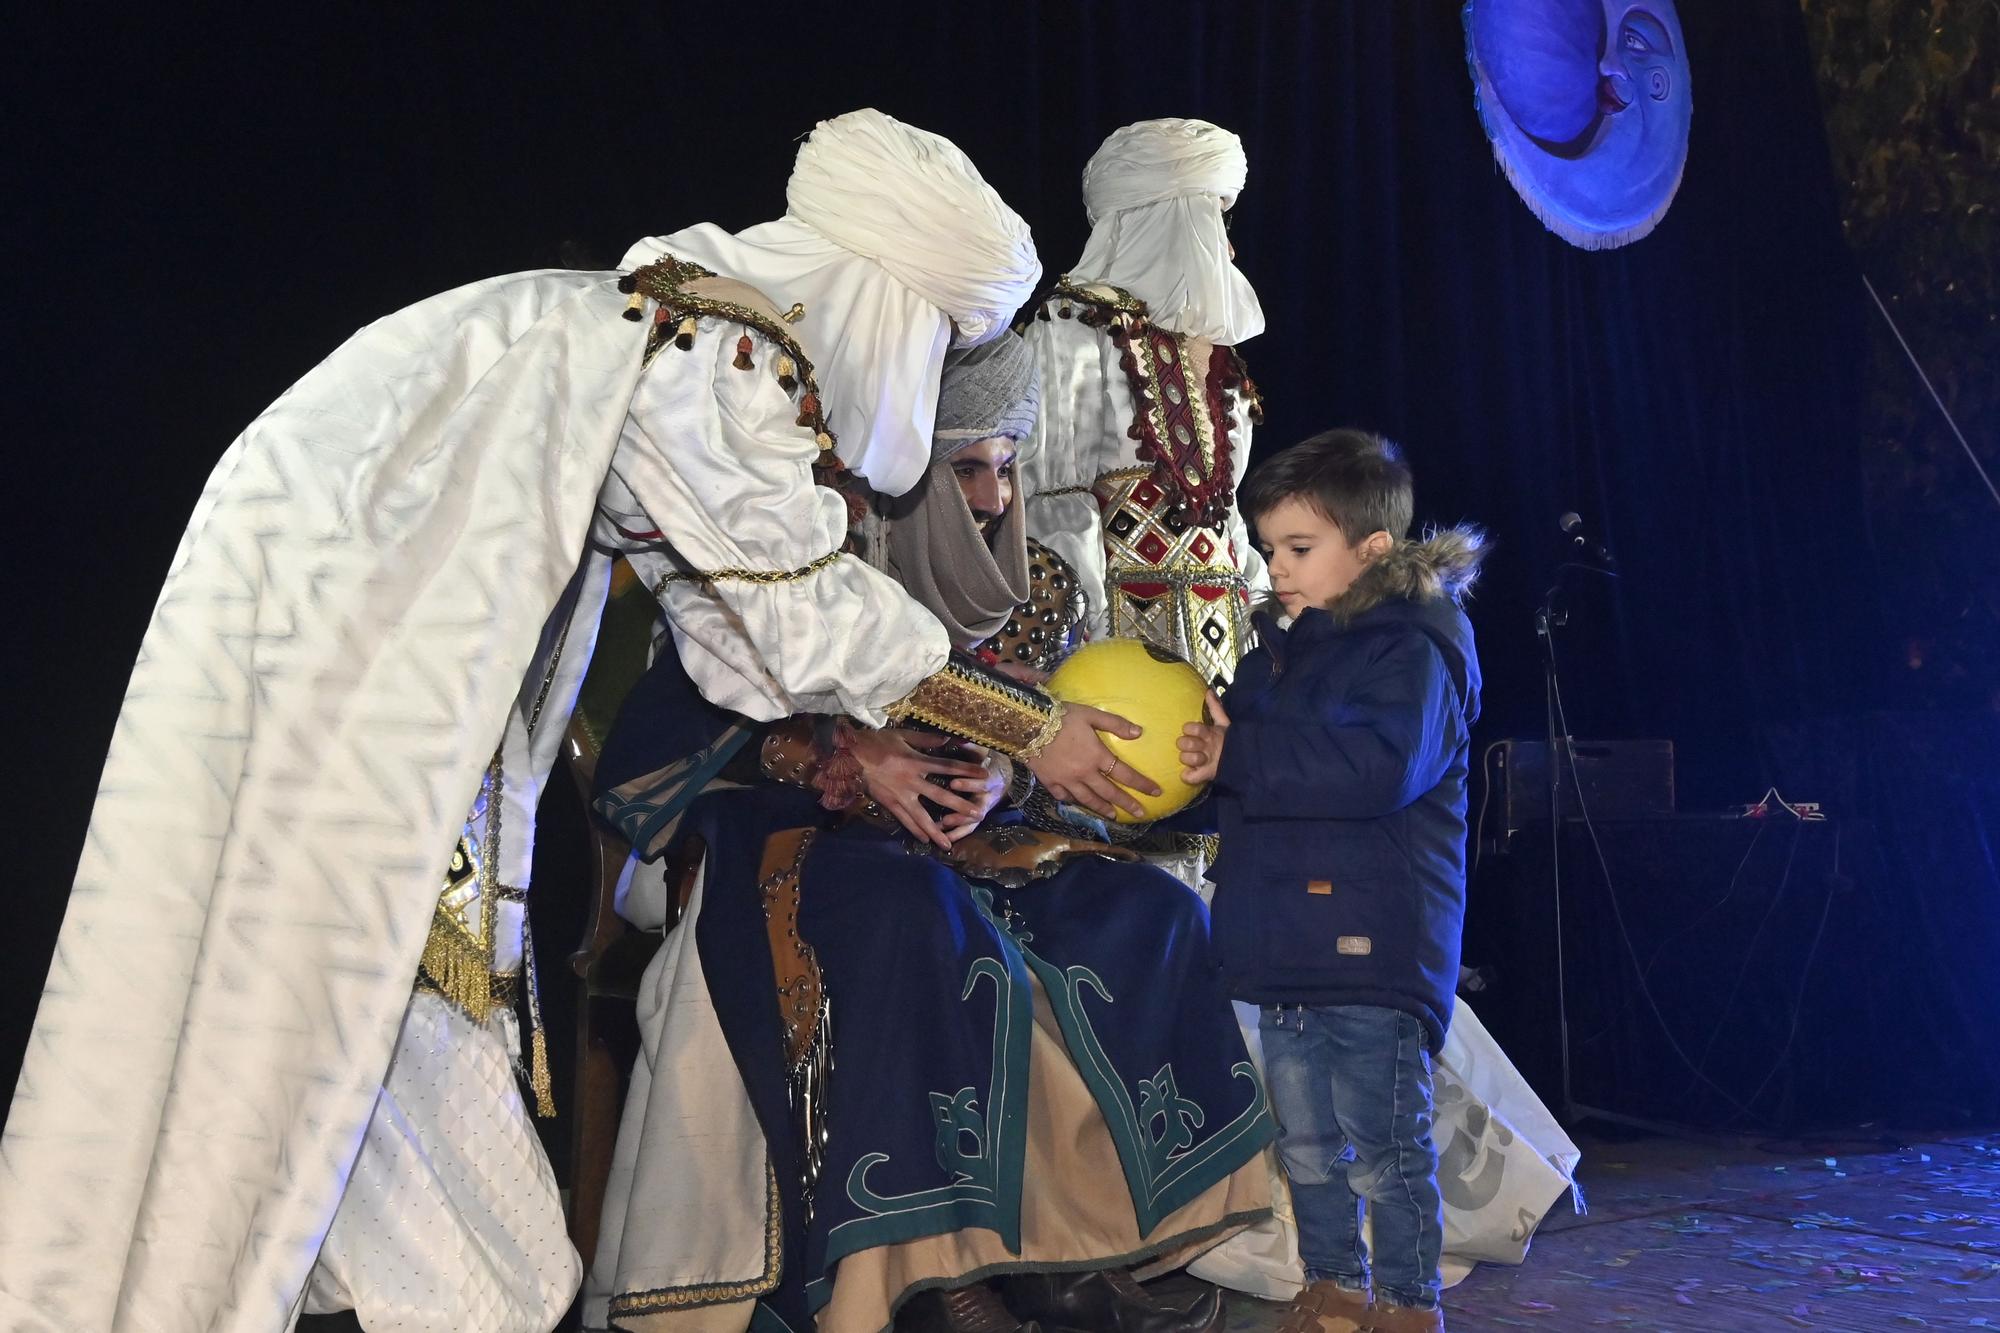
[[1351, 1085]]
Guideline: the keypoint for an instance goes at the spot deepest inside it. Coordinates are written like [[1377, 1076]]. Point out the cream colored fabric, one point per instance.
[[451, 1221], [891, 238], [686, 1209], [912, 202], [713, 460], [1155, 193]]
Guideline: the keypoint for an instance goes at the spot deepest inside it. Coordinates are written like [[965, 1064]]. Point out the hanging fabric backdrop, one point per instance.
[[211, 209]]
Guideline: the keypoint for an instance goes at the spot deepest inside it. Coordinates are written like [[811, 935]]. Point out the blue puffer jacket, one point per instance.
[[1341, 795]]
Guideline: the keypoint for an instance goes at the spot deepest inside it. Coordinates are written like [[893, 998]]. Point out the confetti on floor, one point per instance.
[[1740, 1235]]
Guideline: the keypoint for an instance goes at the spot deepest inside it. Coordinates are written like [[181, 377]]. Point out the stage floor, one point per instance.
[[1732, 1234]]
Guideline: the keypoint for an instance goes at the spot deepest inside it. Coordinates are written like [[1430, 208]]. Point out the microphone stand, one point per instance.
[[1551, 615]]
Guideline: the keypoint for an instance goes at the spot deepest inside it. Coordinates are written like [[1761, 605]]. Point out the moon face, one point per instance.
[[1587, 104]]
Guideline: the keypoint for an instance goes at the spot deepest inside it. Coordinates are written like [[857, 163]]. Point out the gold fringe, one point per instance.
[[461, 968]]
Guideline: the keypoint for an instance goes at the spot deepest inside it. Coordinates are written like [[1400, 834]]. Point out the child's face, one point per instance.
[[1311, 561]]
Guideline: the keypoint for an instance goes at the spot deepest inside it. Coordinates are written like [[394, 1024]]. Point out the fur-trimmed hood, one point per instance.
[[1419, 584], [1442, 566]]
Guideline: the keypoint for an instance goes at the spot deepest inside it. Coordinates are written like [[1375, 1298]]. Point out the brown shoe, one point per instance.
[[1326, 1307], [970, 1309], [1405, 1319]]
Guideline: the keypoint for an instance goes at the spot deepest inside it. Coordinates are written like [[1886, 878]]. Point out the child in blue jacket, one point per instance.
[[1339, 771]]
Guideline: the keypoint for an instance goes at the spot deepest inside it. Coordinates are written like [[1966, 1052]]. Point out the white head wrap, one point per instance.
[[913, 203], [1155, 194], [890, 238]]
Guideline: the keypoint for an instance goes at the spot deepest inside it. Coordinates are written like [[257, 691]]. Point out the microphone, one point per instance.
[[1572, 525]]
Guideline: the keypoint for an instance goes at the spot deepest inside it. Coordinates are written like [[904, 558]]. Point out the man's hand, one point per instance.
[[1201, 744], [1078, 769], [985, 792], [895, 772]]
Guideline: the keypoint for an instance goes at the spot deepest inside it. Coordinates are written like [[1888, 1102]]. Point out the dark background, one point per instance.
[[202, 208]]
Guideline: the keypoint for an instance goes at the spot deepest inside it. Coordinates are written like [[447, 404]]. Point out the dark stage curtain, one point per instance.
[[211, 207]]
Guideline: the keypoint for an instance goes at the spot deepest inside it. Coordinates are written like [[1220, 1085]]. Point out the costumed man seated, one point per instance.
[[969, 1088]]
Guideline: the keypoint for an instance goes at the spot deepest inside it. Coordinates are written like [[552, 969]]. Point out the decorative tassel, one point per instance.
[[1063, 310], [787, 379], [742, 361], [538, 1076], [635, 307], [809, 409], [824, 440], [538, 1045], [684, 339], [629, 283]]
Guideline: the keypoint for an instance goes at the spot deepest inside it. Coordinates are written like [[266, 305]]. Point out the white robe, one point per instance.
[[1086, 409], [366, 589]]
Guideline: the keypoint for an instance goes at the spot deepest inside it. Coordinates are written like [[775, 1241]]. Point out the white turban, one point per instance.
[[1155, 194], [890, 238], [915, 204]]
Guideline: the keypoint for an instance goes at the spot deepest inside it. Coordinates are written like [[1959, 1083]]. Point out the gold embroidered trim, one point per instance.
[[720, 1293], [747, 575], [988, 710], [1114, 475], [457, 960], [1100, 294], [664, 283], [1034, 748], [1062, 490]]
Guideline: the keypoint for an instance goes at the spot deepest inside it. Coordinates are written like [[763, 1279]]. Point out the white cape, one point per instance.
[[327, 672]]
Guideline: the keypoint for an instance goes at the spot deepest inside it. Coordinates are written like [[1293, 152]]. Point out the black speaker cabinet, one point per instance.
[[1618, 779], [1713, 970]]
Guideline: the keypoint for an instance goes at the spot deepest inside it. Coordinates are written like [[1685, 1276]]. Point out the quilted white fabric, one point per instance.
[[451, 1222]]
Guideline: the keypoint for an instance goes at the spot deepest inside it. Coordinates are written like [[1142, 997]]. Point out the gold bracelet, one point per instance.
[[1034, 748]]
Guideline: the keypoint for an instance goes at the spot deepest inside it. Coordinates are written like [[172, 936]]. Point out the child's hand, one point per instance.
[[1201, 744]]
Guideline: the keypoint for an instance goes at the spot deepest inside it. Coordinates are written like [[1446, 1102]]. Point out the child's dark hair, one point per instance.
[[1355, 479]]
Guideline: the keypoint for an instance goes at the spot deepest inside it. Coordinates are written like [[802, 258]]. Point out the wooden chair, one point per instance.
[[611, 957]]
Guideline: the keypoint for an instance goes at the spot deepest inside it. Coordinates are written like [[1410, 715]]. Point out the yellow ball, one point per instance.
[[1151, 687]]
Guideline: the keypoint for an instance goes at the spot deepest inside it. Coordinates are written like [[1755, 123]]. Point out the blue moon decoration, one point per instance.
[[1587, 105]]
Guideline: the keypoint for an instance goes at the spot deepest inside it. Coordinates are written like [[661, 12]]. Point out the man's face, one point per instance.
[[985, 473], [1311, 561]]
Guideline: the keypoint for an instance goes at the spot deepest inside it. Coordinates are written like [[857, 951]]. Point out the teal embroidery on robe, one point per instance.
[[1162, 1108], [1165, 1171], [985, 1183]]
